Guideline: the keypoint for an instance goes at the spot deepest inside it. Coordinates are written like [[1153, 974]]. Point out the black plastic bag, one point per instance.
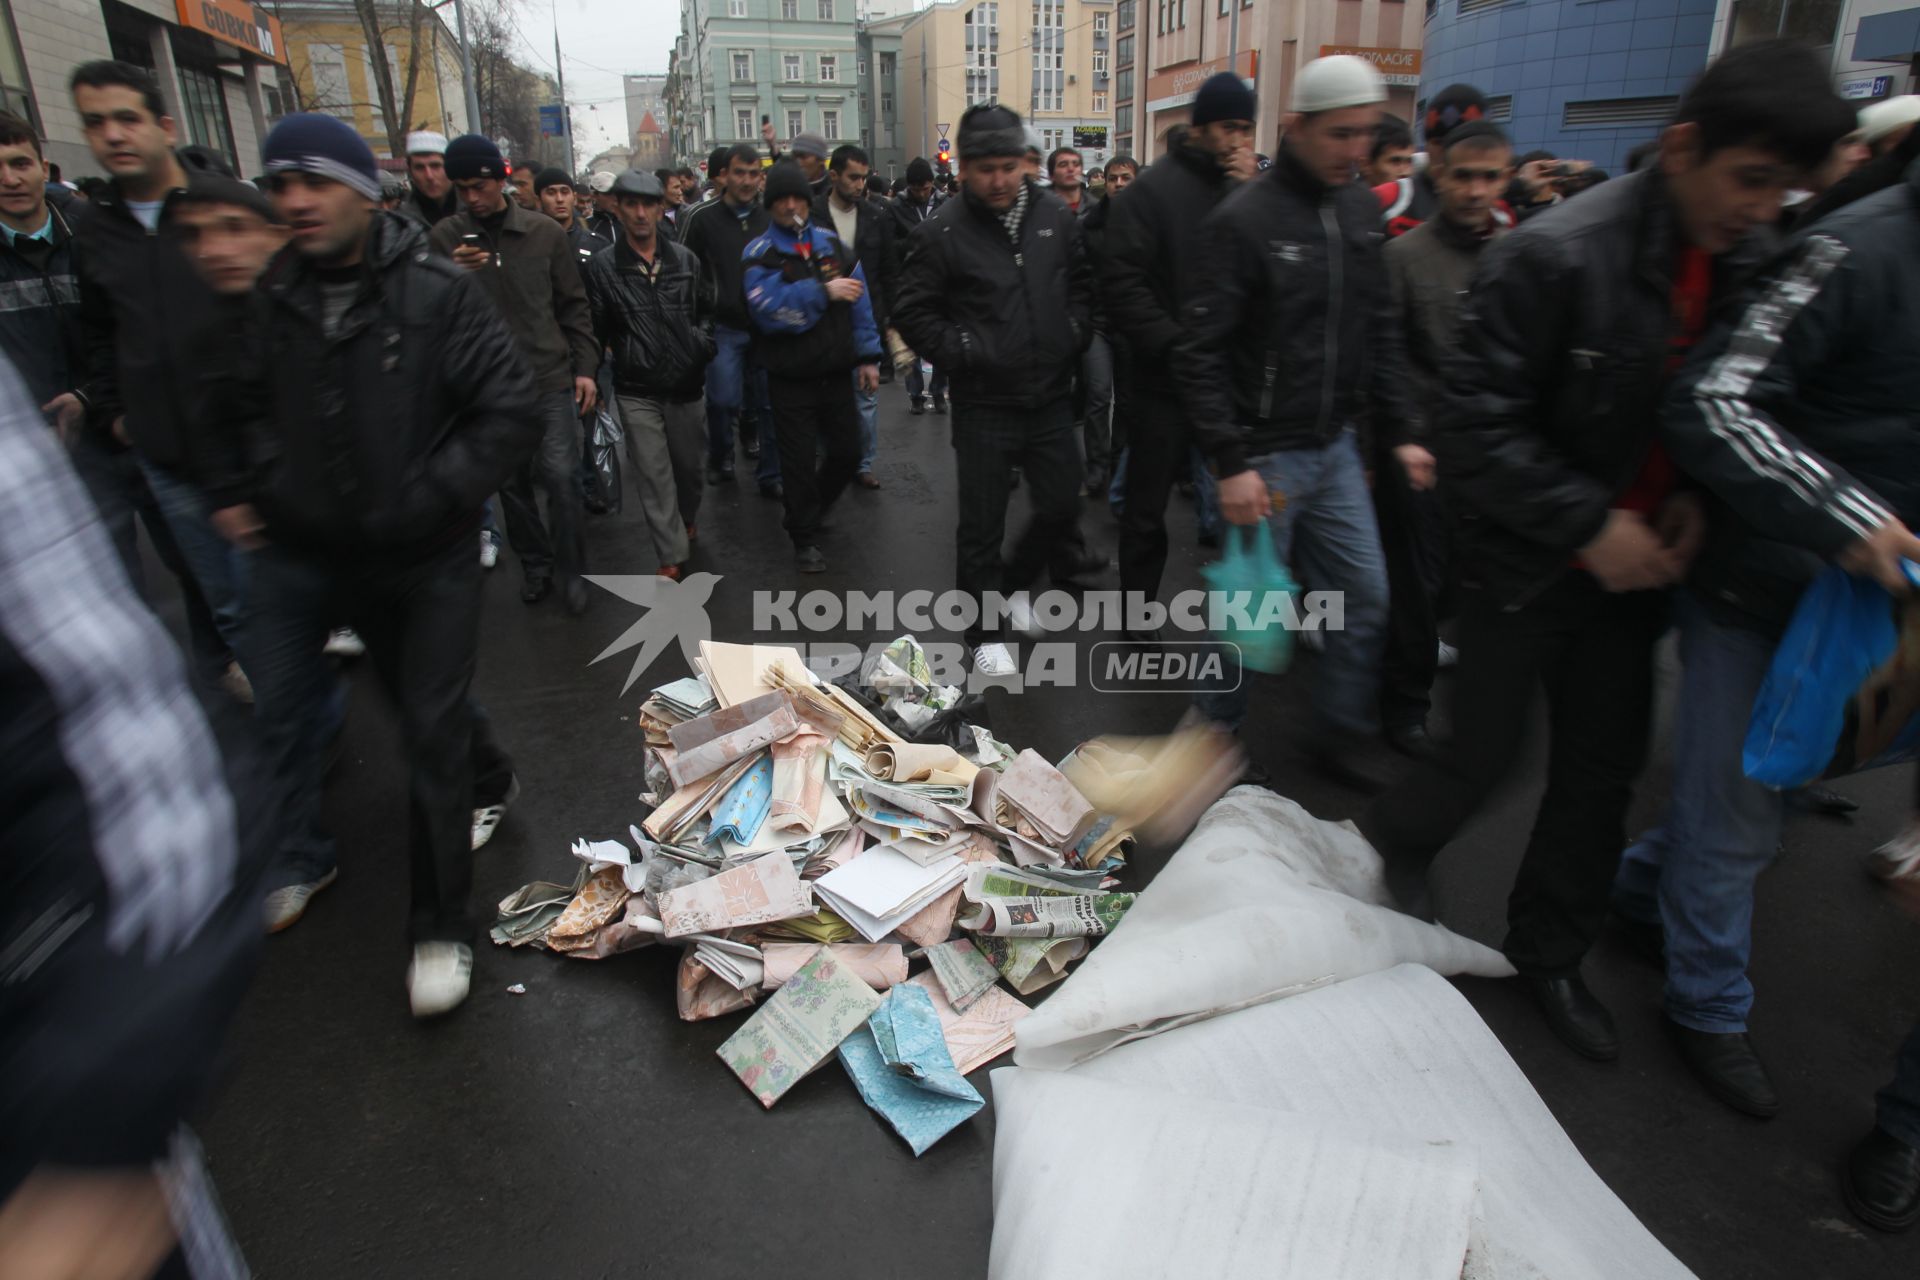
[[606, 456]]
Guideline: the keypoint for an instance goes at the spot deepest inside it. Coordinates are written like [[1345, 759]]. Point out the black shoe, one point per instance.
[[575, 596], [916, 406], [1822, 800], [1413, 740], [751, 447], [1726, 1063], [714, 474], [726, 467], [809, 560], [867, 480], [1647, 942], [536, 590], [1582, 1022], [1881, 1182], [773, 491], [939, 404]]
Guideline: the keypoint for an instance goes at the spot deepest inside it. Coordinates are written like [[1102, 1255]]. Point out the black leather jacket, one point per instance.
[[1151, 230], [1551, 405], [1289, 335], [659, 324], [1006, 323], [388, 434]]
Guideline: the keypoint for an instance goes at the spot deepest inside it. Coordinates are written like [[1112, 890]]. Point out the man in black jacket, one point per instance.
[[382, 400], [718, 232], [866, 228], [431, 197], [525, 263], [1149, 250], [1798, 416], [650, 309], [145, 313], [909, 209], [1289, 343], [997, 291], [1571, 523]]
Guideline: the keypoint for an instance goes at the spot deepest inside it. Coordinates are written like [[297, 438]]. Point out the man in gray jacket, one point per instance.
[[526, 264]]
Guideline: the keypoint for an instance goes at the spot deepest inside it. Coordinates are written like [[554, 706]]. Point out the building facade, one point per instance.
[[331, 68], [1050, 60], [1165, 49], [1874, 44], [793, 63], [217, 63], [882, 135]]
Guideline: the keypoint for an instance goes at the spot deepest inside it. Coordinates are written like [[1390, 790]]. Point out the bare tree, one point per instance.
[[397, 114]]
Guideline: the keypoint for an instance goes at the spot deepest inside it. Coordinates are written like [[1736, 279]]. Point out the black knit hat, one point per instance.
[[472, 156], [991, 130], [1455, 105], [918, 171], [786, 179], [551, 177], [1224, 96]]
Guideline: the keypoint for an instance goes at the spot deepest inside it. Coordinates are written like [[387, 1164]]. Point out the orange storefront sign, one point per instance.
[[1397, 66], [1175, 88], [234, 22]]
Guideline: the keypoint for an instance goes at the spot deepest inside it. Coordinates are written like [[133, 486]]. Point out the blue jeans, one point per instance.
[[1327, 529], [1695, 872], [219, 568], [732, 371], [867, 405], [918, 384]]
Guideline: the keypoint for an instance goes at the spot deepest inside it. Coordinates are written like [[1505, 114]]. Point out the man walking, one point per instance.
[[432, 196], [866, 229], [649, 307], [525, 263], [1572, 526], [909, 209], [997, 291], [718, 232], [1149, 250], [554, 189], [1289, 344], [1429, 269], [381, 401], [808, 297]]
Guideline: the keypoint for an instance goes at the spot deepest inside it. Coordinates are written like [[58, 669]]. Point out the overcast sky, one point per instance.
[[600, 41]]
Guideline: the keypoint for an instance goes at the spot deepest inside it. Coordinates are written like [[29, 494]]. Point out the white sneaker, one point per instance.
[[994, 660], [485, 820], [489, 550], [1899, 858], [285, 906], [345, 642], [1448, 656], [438, 978], [234, 681]]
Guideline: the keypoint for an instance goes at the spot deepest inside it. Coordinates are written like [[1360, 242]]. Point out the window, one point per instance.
[[1123, 14], [830, 123], [886, 104], [829, 69], [14, 96], [1099, 62], [1808, 21], [790, 10], [796, 122], [886, 66], [1123, 51], [736, 8], [743, 66], [1123, 86], [204, 105], [1099, 24], [826, 10], [1183, 15], [982, 26], [743, 122], [1225, 6], [1099, 102], [1048, 46], [328, 63], [789, 66], [861, 67]]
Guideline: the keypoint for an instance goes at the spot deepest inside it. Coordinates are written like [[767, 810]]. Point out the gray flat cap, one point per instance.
[[638, 182], [808, 144]]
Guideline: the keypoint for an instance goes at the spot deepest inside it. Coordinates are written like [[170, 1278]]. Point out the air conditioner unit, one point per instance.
[[1073, 79]]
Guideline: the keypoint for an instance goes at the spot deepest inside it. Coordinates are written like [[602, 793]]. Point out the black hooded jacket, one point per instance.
[[1148, 251], [1005, 322], [389, 434]]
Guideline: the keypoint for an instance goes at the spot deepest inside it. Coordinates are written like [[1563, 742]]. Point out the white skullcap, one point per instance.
[[1331, 83], [1878, 119], [426, 143]]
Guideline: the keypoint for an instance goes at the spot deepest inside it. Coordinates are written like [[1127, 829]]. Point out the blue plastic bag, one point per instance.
[[1250, 564], [1844, 688]]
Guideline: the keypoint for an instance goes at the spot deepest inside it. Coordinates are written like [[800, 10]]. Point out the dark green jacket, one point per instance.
[[535, 281]]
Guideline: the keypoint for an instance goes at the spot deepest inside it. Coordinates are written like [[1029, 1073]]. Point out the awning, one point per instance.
[[1888, 37]]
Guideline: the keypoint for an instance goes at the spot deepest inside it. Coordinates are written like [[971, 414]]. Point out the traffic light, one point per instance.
[[944, 155]]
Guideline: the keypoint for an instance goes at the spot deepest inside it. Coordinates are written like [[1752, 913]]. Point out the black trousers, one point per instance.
[[420, 618], [1157, 445], [814, 418], [988, 442], [1415, 540], [1592, 652]]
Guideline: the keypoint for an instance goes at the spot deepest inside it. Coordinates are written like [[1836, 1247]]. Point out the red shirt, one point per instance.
[[1692, 296]]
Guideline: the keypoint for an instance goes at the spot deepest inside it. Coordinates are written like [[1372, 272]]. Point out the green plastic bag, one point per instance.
[[1250, 564]]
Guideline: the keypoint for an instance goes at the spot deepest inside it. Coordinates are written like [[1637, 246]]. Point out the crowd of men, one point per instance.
[[1561, 411]]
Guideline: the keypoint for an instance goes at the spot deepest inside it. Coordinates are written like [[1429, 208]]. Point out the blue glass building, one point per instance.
[[1584, 79]]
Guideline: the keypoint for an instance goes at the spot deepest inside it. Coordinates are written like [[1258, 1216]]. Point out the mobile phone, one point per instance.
[[471, 240]]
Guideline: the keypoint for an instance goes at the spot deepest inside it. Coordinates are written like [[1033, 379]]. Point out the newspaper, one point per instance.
[[763, 890], [1079, 916]]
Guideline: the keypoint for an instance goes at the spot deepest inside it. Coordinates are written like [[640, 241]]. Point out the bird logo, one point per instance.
[[674, 611]]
